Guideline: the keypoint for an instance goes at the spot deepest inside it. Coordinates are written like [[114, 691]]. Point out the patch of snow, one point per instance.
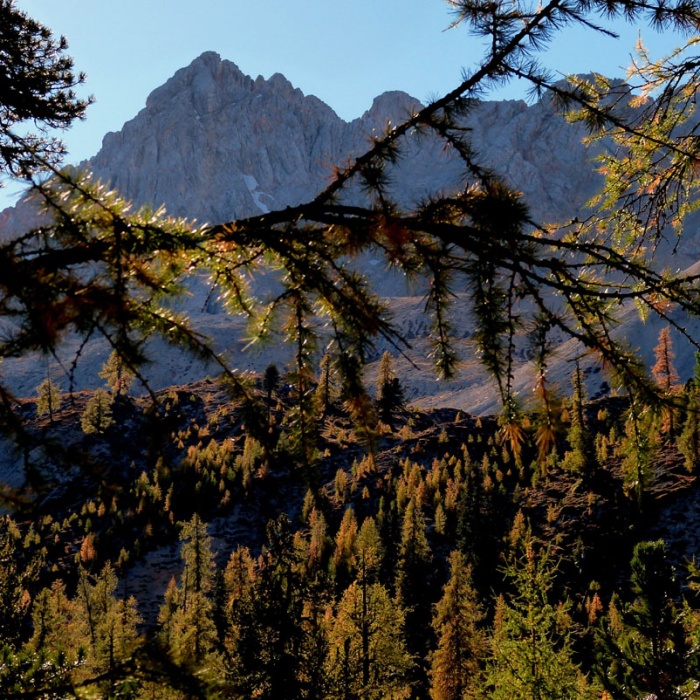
[[253, 187]]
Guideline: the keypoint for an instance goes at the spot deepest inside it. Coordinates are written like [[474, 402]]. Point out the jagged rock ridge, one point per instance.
[[215, 144]]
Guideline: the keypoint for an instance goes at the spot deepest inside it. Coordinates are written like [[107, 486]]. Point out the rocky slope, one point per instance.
[[213, 144]]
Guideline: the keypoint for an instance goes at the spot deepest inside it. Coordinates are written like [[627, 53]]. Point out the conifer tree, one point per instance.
[[516, 271], [370, 550], [37, 85], [112, 624], [532, 655], [270, 383], [299, 330], [17, 573], [414, 588], [367, 657], [461, 644], [637, 448], [240, 644], [475, 530], [91, 634], [59, 625], [326, 390], [579, 456], [276, 638], [318, 538], [647, 647], [97, 416], [663, 371], [48, 398], [345, 554], [117, 374], [689, 439], [414, 554], [695, 379], [192, 630], [198, 557], [666, 376], [389, 389]]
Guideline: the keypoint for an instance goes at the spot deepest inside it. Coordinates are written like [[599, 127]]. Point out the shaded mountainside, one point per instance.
[[199, 450], [204, 535]]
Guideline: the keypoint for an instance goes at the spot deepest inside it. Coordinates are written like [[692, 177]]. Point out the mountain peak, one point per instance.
[[208, 58], [209, 79], [393, 106]]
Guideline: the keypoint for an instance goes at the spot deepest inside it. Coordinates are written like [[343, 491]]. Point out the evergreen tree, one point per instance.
[[270, 383], [93, 633], [18, 571], [188, 613], [695, 379], [198, 557], [326, 391], [389, 390], [274, 665], [97, 416], [663, 371], [666, 376], [370, 550], [318, 538], [579, 457], [414, 554], [367, 656], [345, 554], [646, 647], [117, 374], [454, 665], [58, 625], [414, 589], [689, 439], [112, 626], [515, 270], [638, 448], [36, 85], [300, 333], [532, 654], [48, 398], [240, 642]]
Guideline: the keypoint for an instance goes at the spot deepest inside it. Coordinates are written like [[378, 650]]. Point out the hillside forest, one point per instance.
[[298, 533], [440, 564]]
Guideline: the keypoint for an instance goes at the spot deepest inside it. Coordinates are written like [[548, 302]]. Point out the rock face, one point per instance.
[[208, 143], [213, 144]]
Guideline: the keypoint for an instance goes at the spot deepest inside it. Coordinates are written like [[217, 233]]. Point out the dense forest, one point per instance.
[[332, 541], [429, 559]]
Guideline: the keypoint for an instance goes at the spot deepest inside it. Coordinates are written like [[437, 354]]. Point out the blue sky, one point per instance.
[[343, 52]]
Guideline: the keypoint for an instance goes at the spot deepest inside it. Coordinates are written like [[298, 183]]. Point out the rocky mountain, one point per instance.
[[213, 144]]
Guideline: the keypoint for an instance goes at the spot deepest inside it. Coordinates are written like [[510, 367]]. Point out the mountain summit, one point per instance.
[[215, 144]]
